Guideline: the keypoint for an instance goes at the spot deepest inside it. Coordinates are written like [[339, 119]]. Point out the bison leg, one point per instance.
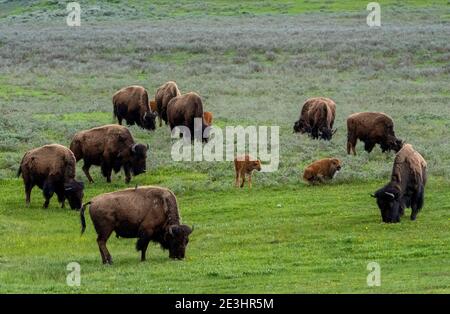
[[86, 168], [106, 171], [242, 175], [368, 146], [101, 241], [250, 180], [28, 188], [236, 181], [61, 197], [48, 191], [141, 245], [126, 169]]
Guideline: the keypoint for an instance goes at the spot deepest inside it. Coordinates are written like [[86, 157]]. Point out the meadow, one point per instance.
[[253, 64]]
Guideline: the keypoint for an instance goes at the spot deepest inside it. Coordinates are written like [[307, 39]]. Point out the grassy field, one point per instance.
[[254, 63]]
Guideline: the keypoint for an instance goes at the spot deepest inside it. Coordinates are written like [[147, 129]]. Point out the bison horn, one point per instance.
[[334, 131], [192, 229], [145, 114], [170, 230], [390, 194], [372, 195], [148, 146], [133, 148]]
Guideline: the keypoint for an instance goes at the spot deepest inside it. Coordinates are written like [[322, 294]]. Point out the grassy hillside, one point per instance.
[[254, 63]]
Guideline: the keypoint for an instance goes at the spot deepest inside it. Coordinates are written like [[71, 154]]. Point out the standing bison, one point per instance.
[[183, 109], [317, 118], [132, 104], [147, 213], [164, 94], [111, 147], [371, 128], [52, 168], [406, 188]]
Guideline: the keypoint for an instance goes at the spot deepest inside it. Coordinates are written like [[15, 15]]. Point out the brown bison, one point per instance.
[[131, 103], [208, 117], [52, 169], [406, 188], [164, 94], [111, 147], [371, 128], [183, 109], [322, 170], [317, 118], [147, 213], [244, 165]]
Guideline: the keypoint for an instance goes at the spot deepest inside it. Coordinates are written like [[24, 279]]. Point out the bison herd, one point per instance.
[[151, 213]]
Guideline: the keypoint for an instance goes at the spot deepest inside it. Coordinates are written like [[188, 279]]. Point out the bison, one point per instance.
[[148, 213], [183, 109], [406, 188], [154, 109], [131, 103], [111, 147], [52, 168], [322, 170], [163, 95], [372, 128], [244, 165], [317, 118]]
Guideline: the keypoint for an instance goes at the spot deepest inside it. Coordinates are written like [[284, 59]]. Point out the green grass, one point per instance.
[[268, 240]]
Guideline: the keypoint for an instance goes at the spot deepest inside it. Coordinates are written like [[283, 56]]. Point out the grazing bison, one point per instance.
[[52, 168], [131, 103], [317, 118], [111, 147], [406, 188], [183, 109], [147, 213], [244, 165], [164, 94], [371, 128], [208, 117], [322, 170]]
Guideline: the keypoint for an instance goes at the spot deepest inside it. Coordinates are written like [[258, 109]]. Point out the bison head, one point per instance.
[[336, 166], [73, 191], [177, 238], [301, 127], [327, 133], [148, 120], [392, 143], [388, 201], [137, 163]]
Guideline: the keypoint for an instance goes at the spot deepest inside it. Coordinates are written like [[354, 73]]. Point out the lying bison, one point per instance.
[[183, 109], [147, 213], [131, 103], [52, 168], [371, 128], [163, 95], [406, 188], [317, 118], [111, 147], [322, 170]]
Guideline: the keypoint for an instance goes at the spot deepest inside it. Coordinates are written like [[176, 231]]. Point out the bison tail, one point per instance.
[[82, 219]]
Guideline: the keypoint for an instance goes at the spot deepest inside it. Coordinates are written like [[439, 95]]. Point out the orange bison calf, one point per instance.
[[52, 168], [147, 213], [244, 165], [322, 170], [208, 117]]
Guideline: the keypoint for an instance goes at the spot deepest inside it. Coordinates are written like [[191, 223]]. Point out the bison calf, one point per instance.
[[244, 165], [52, 168], [406, 188], [147, 213], [372, 128], [208, 117], [322, 170], [111, 147]]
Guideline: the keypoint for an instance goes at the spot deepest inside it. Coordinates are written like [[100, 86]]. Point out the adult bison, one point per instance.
[[163, 95], [371, 128], [111, 147], [52, 169], [147, 213], [183, 109], [406, 188], [132, 104], [317, 118]]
